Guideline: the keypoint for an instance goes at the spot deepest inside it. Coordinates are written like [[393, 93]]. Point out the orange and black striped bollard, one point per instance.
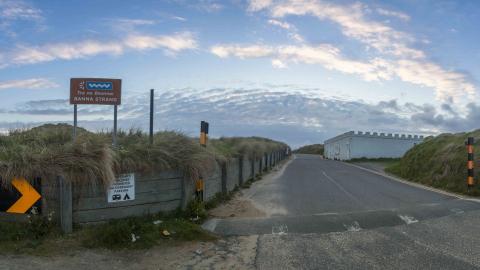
[[470, 175]]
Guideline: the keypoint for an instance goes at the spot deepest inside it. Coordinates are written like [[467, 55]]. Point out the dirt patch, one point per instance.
[[228, 253], [238, 206]]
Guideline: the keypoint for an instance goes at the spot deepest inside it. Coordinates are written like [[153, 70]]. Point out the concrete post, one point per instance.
[[240, 172], [252, 164], [66, 209], [224, 178]]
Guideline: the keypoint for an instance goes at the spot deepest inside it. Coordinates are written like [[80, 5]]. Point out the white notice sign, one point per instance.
[[123, 189]]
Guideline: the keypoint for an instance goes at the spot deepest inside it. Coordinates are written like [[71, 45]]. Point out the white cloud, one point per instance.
[[18, 10], [292, 30], [277, 63], [330, 58], [353, 22], [35, 83], [323, 54], [257, 5], [177, 42], [449, 84], [396, 54], [391, 13], [242, 52], [278, 23], [69, 51], [178, 18]]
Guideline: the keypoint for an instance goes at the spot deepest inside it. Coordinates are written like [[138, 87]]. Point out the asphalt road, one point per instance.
[[325, 214]]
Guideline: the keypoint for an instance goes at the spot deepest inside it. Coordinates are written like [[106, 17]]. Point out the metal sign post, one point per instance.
[[114, 135], [74, 122], [151, 115]]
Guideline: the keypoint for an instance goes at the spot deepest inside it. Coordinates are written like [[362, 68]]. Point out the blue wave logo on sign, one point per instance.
[[99, 86]]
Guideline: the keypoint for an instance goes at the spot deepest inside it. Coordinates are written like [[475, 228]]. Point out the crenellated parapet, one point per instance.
[[368, 134]]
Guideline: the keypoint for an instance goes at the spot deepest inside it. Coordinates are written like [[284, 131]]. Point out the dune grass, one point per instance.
[[245, 146], [49, 151], [313, 149], [440, 162]]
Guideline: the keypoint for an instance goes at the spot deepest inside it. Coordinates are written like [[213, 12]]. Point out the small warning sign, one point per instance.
[[123, 189]]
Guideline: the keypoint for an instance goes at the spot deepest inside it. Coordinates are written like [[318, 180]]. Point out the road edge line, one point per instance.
[[414, 184]]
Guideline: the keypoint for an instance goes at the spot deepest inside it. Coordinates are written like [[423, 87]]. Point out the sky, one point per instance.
[[294, 70]]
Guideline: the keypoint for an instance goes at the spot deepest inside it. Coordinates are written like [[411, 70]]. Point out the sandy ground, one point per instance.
[[239, 206], [229, 253]]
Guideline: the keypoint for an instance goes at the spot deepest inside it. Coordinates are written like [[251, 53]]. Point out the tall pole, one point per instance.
[[74, 122], [114, 135], [151, 115]]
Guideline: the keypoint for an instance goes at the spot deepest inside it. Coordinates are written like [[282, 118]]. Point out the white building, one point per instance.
[[352, 145]]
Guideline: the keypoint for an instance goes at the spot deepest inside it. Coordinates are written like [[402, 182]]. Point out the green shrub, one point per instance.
[[141, 232], [313, 149], [196, 210]]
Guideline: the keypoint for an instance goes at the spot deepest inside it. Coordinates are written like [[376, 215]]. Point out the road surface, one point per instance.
[[325, 214]]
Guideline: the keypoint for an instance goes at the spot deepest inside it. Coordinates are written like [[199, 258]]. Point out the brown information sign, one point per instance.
[[95, 91]]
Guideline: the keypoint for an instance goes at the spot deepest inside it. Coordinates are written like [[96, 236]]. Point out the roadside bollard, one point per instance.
[[199, 187], [470, 175], [203, 133]]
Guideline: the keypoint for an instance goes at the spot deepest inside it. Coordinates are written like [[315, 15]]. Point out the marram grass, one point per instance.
[[48, 151], [440, 162]]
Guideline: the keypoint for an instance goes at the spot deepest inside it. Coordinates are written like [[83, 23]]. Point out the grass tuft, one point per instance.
[[142, 232]]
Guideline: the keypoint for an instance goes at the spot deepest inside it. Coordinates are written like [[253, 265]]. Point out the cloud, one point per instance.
[[391, 13], [353, 22], [396, 54], [281, 24], [449, 85], [178, 18], [176, 43], [12, 11], [128, 25], [19, 10], [257, 5], [291, 29], [35, 83], [242, 52], [68, 51], [323, 54], [292, 114]]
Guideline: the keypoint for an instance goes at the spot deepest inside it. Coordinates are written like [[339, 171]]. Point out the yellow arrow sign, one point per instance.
[[29, 196]]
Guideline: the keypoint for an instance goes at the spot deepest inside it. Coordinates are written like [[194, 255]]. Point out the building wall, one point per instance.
[[369, 145]]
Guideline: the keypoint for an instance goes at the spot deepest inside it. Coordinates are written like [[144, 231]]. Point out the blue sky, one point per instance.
[[423, 53]]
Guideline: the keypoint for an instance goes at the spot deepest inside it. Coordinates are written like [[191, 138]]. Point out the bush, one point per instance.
[[313, 149]]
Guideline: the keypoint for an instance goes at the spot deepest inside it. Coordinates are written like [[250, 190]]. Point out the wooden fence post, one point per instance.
[[66, 209]]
